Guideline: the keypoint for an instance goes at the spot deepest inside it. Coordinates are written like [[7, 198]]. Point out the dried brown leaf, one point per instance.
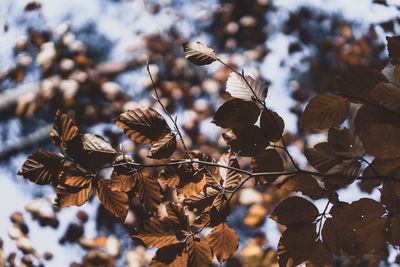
[[42, 167], [223, 241], [116, 203], [143, 125], [199, 53], [237, 87]]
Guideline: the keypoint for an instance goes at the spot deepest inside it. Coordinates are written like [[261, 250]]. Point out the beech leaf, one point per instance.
[[143, 125], [236, 113], [199, 53], [223, 241], [116, 203], [42, 167], [199, 252], [237, 87], [294, 210], [324, 111]]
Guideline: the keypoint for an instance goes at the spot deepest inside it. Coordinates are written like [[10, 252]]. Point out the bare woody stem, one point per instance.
[[166, 112]]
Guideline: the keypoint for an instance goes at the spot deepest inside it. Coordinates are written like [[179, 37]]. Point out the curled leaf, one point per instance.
[[237, 87], [199, 53]]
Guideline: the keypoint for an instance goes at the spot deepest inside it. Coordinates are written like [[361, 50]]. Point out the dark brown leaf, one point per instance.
[[321, 255], [324, 111], [304, 183], [297, 244], [272, 125], [294, 210], [236, 113], [246, 141], [31, 6], [331, 236], [223, 241], [386, 95], [199, 53], [321, 157], [267, 161], [344, 142], [164, 147], [42, 167], [172, 256]]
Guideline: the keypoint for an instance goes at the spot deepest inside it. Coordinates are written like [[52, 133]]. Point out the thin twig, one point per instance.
[[166, 112]]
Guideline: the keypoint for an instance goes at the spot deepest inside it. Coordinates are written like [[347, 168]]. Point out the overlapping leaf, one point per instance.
[[236, 113], [115, 202], [294, 210], [147, 126], [268, 160], [272, 125], [246, 141], [223, 241]]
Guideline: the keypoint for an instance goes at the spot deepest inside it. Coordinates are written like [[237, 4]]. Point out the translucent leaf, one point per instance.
[[199, 53], [237, 87], [116, 203], [223, 241]]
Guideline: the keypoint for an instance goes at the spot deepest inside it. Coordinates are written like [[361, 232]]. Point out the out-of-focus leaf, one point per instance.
[[199, 53], [386, 95], [324, 111], [272, 125], [223, 241], [42, 167], [237, 87], [236, 113], [294, 210], [31, 6], [393, 47], [358, 81]]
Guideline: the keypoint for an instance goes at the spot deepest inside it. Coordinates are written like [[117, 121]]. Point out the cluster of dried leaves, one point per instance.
[[189, 195]]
